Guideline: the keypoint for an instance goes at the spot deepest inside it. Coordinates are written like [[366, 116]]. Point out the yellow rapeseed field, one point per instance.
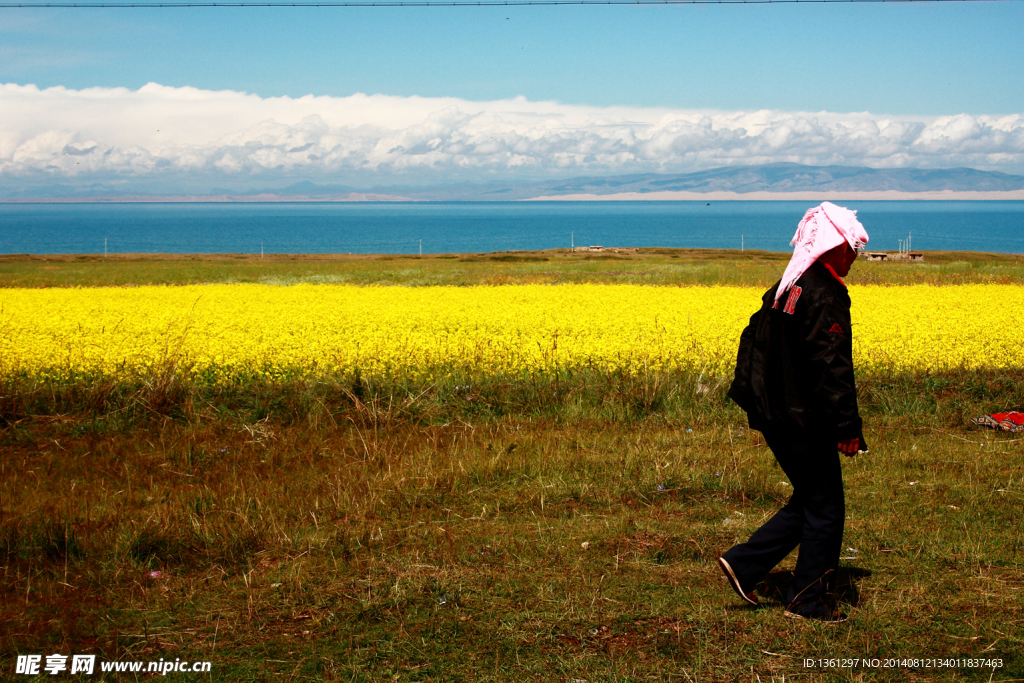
[[233, 331]]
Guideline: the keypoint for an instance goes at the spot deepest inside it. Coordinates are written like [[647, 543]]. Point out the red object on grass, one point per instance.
[[1010, 421]]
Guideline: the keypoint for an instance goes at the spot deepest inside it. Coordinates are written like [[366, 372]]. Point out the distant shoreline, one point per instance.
[[212, 199], [355, 198], [813, 196], [513, 255]]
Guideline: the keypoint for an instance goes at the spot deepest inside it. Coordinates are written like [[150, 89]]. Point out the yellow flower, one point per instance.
[[222, 332]]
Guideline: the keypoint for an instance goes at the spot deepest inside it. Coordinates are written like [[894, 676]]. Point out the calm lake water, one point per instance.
[[459, 227]]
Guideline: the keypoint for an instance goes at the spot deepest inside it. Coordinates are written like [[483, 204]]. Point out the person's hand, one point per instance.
[[849, 447]]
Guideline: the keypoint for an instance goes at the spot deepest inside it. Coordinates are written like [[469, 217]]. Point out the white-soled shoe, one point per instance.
[[735, 583]]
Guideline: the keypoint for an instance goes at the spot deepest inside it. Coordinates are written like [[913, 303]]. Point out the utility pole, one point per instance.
[[104, 248], [261, 251], [421, 247]]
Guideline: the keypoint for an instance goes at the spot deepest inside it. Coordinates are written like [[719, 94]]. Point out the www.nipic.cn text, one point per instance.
[[34, 665]]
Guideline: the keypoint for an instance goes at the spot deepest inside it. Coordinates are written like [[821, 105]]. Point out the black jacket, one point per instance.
[[794, 369]]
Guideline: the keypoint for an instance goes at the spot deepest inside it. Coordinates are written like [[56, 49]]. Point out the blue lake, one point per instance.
[[460, 227]]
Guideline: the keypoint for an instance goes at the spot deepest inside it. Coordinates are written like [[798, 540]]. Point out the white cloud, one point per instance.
[[158, 130]]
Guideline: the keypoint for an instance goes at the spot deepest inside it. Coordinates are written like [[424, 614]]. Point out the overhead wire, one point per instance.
[[445, 3]]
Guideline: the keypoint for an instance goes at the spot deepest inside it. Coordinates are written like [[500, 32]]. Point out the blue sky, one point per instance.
[[913, 62], [924, 59]]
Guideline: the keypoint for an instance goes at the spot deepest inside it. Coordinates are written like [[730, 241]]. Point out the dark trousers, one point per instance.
[[813, 519]]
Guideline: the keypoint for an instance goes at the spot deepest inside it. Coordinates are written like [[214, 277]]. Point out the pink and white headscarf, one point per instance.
[[824, 227]]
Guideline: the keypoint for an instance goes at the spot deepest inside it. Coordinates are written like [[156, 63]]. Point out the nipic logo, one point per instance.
[[34, 665], [55, 664]]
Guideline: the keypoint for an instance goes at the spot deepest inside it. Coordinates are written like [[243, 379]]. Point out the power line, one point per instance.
[[447, 3]]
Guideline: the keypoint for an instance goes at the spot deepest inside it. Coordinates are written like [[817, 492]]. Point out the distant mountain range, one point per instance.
[[795, 178], [745, 180]]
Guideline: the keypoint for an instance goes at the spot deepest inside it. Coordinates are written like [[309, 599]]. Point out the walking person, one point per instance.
[[794, 379]]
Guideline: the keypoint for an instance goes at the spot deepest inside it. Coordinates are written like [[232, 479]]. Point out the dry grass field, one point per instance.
[[653, 266]]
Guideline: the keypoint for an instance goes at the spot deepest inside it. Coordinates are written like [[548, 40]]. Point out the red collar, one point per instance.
[[834, 274]]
